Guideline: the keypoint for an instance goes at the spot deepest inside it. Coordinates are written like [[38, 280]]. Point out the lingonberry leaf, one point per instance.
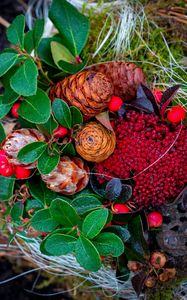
[[104, 119], [125, 194], [69, 149], [48, 161], [9, 96], [43, 221], [4, 108], [60, 52], [34, 204], [71, 68], [108, 243], [7, 60], [58, 244], [94, 222], [17, 212], [36, 109], [6, 187], [28, 41], [62, 112], [15, 32], [64, 213], [71, 24], [24, 81], [77, 117], [121, 231], [44, 50], [138, 282], [84, 203], [113, 189], [2, 133], [37, 32], [87, 255], [31, 152], [167, 97]]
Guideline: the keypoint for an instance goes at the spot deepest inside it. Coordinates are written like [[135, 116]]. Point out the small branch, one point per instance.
[[4, 22]]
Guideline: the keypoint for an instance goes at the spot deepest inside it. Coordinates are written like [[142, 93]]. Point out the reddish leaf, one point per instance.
[[138, 282], [167, 97], [103, 118]]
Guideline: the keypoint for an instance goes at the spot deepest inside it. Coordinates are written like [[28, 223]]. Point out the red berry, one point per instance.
[[154, 219], [6, 170], [3, 158], [176, 114], [60, 132], [115, 103], [14, 110], [120, 208], [158, 259], [22, 172], [158, 94]]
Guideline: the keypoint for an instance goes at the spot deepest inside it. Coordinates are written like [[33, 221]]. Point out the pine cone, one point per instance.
[[88, 90], [94, 142], [18, 139], [69, 177], [125, 77]]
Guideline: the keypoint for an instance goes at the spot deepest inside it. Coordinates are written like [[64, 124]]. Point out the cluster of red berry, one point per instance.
[[7, 169], [143, 139]]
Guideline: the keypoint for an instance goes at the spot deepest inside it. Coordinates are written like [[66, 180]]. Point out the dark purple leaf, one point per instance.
[[95, 185], [122, 111], [113, 189], [149, 95], [138, 282], [167, 97], [126, 193]]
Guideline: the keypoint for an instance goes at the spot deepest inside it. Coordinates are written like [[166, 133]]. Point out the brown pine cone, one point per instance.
[[125, 77], [94, 142], [69, 177], [88, 90], [18, 139]]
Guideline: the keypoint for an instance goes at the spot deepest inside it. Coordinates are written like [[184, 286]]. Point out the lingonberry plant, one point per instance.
[[92, 154]]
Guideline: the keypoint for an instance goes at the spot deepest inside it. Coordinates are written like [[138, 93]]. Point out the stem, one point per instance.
[[42, 71]]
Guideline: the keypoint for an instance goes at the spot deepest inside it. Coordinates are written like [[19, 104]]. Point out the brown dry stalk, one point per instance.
[[4, 22]]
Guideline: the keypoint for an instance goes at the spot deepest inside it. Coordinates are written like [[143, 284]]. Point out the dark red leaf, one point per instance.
[[138, 282], [167, 97]]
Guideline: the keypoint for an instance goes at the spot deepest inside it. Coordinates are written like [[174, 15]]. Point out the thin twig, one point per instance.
[[4, 22]]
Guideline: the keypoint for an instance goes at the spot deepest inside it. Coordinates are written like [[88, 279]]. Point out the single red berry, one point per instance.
[[14, 110], [3, 158], [176, 114], [120, 209], [158, 259], [60, 132], [6, 170], [22, 172], [158, 94], [154, 219], [115, 103]]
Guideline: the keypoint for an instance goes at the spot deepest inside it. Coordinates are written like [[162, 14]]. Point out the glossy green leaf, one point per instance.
[[31, 152], [87, 255], [34, 204], [94, 222], [15, 32], [121, 231], [24, 81], [60, 52], [60, 244], [36, 109], [9, 96], [4, 109], [39, 190], [77, 117], [28, 41], [44, 50], [69, 149], [85, 203], [71, 68], [17, 212], [37, 32], [43, 221], [48, 127], [6, 187], [71, 24], [2, 133], [64, 213], [62, 112], [108, 243], [48, 161], [7, 60]]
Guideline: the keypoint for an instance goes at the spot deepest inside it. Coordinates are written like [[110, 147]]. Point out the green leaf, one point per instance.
[[6, 187], [71, 68], [87, 255], [39, 191], [77, 117], [48, 161], [15, 32], [64, 213], [85, 203], [43, 221], [37, 32], [4, 109], [49, 126], [36, 109], [24, 81], [60, 52], [60, 244], [7, 60], [44, 50], [9, 96], [108, 243], [17, 212], [31, 152], [62, 112], [69, 149], [132, 254], [94, 222], [25, 124], [72, 25], [2, 133], [121, 231], [28, 41], [33, 204]]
